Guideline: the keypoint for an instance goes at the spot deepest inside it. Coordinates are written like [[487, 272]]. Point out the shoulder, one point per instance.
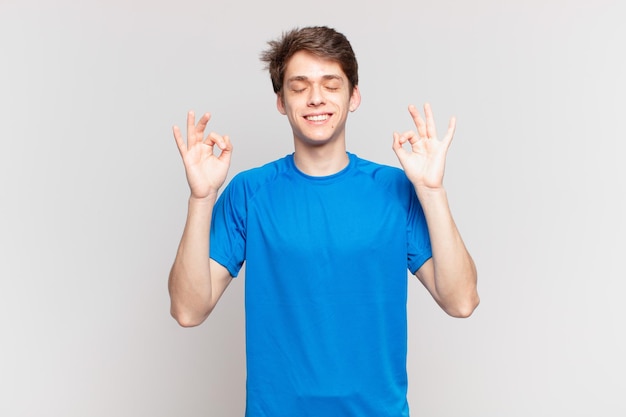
[[251, 180], [383, 175]]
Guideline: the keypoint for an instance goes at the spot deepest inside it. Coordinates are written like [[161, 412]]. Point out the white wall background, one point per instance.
[[93, 195]]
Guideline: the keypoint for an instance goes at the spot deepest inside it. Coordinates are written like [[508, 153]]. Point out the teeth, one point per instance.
[[317, 118]]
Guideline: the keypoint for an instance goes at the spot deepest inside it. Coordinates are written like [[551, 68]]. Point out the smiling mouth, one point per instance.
[[318, 117]]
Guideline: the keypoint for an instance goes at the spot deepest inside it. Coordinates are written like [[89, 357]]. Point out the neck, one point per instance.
[[321, 161]]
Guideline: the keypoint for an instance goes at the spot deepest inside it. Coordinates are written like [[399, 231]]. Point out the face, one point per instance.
[[316, 99]]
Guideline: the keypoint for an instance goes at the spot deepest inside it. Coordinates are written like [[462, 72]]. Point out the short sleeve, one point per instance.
[[418, 238], [228, 231]]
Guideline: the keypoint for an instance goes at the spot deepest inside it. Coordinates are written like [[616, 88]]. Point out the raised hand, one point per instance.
[[424, 164], [206, 171]]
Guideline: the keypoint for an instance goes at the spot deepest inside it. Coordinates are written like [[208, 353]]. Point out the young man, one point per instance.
[[327, 239]]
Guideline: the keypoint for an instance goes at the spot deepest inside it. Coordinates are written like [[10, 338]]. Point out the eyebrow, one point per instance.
[[324, 77]]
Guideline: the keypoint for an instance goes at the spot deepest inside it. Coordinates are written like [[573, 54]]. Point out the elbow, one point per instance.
[[464, 301], [186, 307], [185, 322], [188, 319], [464, 309]]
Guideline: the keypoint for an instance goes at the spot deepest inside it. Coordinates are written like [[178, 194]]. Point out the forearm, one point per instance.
[[454, 278], [190, 286]]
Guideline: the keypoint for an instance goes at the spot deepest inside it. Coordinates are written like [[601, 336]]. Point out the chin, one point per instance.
[[319, 141]]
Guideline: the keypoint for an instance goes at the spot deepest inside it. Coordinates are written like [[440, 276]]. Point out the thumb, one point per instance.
[[400, 152], [226, 149]]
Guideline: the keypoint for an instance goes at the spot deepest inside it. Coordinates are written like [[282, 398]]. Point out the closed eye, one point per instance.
[[333, 84], [298, 87]]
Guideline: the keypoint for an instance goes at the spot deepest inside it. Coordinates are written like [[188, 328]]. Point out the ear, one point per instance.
[[355, 99], [279, 103]]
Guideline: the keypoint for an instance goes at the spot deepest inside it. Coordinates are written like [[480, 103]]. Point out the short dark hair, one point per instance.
[[321, 41]]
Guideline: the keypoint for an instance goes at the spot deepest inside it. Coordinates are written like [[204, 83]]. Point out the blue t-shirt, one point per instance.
[[326, 285]]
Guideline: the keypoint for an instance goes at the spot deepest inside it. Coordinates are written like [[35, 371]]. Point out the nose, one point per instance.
[[316, 96]]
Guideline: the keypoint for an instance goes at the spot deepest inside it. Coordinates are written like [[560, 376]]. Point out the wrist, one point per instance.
[[209, 199], [431, 197], [429, 191]]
